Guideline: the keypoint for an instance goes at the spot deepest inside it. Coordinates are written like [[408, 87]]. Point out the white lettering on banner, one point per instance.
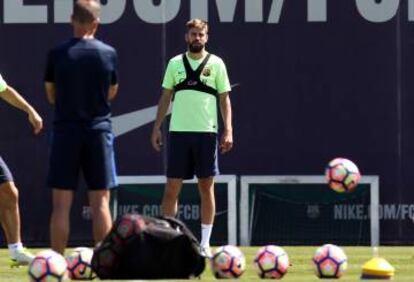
[[112, 11], [362, 212], [317, 10], [151, 210], [63, 11], [226, 10], [378, 11], [123, 209], [275, 11], [199, 9], [411, 10], [188, 212], [164, 11], [338, 212], [14, 11], [254, 11], [184, 212], [345, 212], [388, 211]]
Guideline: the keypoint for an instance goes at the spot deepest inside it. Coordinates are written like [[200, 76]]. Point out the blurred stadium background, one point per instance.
[[313, 80]]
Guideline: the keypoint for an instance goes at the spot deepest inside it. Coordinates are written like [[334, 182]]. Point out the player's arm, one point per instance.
[[50, 92], [12, 97], [50, 79], [224, 88], [113, 91], [226, 142], [163, 106]]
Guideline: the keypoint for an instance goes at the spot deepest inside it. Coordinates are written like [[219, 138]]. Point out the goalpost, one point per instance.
[[148, 184], [246, 211]]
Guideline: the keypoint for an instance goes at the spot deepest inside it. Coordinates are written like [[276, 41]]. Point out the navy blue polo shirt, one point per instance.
[[82, 71]]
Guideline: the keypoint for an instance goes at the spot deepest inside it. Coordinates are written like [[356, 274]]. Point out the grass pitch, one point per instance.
[[402, 258]]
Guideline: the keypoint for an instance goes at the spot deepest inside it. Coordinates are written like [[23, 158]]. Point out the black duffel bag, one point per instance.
[[140, 247]]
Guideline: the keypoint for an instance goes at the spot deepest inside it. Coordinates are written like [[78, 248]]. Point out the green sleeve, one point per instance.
[[168, 82], [3, 84], [222, 79]]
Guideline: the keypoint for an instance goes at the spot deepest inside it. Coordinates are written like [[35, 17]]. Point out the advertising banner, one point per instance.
[[312, 80]]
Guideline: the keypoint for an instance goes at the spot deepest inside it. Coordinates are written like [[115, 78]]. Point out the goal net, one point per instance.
[[302, 210]]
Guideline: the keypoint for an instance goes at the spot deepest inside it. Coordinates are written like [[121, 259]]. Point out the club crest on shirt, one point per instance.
[[206, 72]]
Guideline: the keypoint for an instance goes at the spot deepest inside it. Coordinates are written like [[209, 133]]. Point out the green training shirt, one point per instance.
[[3, 84], [193, 111]]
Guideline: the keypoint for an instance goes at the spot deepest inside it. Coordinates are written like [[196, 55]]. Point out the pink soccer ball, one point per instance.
[[47, 266], [342, 175], [228, 262], [271, 262], [330, 261], [79, 264]]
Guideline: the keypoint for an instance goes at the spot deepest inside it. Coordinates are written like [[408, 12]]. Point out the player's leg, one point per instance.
[[169, 204], [9, 212], [101, 214], [179, 166], [208, 202], [208, 211], [206, 168], [63, 179], [10, 217], [60, 218], [98, 165], [10, 221]]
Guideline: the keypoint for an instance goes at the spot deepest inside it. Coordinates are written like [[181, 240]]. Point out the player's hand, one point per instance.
[[226, 142], [36, 121], [156, 139]]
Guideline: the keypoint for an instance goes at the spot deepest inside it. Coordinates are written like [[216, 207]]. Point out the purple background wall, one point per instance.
[[318, 84]]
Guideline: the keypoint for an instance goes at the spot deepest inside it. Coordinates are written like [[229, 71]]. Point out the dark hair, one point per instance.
[[197, 23], [86, 11]]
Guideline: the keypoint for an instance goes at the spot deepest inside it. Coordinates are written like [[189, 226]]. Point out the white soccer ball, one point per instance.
[[47, 266], [228, 262], [330, 261], [271, 262], [79, 264], [342, 175]]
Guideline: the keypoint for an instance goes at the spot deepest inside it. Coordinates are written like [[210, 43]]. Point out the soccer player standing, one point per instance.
[[9, 204], [81, 80], [194, 81]]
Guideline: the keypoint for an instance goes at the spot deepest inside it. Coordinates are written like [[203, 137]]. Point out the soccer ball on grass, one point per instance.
[[330, 261], [79, 264], [228, 262], [47, 266], [271, 262]]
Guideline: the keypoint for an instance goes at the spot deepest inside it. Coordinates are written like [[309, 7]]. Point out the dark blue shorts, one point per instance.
[[192, 153], [5, 174], [79, 149]]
